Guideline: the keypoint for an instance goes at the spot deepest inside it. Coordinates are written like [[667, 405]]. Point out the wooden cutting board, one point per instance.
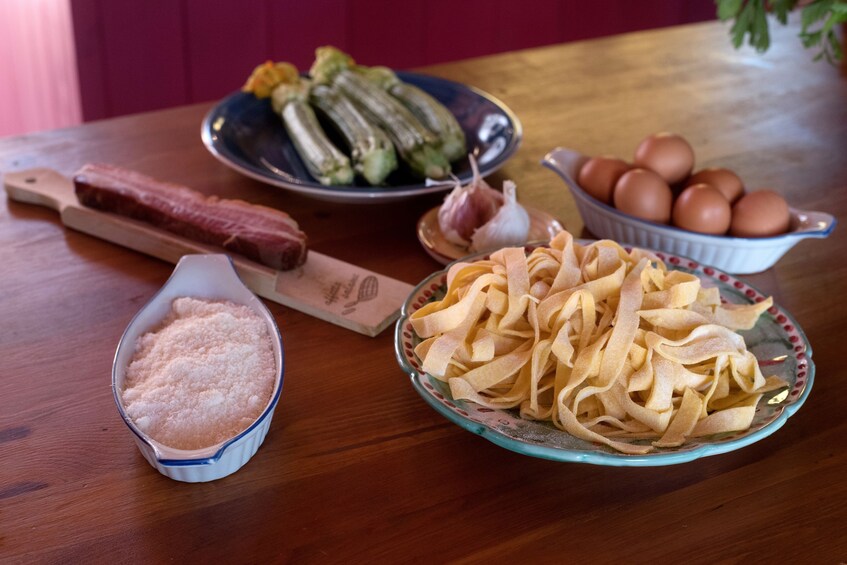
[[326, 288]]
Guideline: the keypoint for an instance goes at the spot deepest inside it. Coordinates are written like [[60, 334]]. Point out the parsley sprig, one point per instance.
[[818, 18]]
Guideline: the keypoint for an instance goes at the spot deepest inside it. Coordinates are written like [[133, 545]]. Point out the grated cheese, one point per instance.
[[203, 376]]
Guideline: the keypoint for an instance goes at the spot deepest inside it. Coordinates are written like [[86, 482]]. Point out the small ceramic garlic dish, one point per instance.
[[209, 277], [735, 255]]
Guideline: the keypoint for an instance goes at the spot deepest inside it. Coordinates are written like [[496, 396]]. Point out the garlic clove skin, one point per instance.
[[479, 218], [465, 209], [508, 227]]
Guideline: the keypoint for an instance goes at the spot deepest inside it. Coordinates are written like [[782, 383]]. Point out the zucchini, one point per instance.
[[418, 146], [324, 160], [429, 111], [371, 151]]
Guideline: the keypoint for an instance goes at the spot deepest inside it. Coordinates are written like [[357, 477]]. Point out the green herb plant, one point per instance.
[[819, 20]]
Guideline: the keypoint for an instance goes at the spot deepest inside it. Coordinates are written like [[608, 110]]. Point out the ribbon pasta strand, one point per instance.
[[606, 343]]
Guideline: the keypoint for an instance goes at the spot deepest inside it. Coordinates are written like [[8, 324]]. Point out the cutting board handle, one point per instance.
[[324, 287], [43, 187]]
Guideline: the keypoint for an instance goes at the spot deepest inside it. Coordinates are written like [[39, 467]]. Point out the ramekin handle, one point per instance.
[[813, 224]]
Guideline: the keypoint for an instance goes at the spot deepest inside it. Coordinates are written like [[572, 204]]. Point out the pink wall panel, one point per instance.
[[130, 55], [137, 55], [528, 23], [602, 17], [448, 36], [39, 88], [298, 27], [225, 39], [88, 36], [144, 49], [387, 32]]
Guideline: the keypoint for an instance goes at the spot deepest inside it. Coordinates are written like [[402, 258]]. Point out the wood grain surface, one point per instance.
[[356, 467]]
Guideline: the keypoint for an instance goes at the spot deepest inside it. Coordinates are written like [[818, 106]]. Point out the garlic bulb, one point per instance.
[[510, 226], [480, 218]]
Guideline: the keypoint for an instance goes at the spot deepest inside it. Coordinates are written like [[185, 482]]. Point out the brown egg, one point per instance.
[[643, 194], [762, 213], [702, 208], [723, 179], [599, 175], [666, 154]]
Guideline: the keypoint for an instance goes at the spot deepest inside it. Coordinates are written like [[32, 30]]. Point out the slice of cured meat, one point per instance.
[[263, 234]]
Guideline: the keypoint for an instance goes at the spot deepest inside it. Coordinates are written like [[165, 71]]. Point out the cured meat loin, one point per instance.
[[263, 234]]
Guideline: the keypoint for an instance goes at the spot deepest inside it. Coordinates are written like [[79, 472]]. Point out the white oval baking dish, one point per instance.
[[735, 255], [211, 277]]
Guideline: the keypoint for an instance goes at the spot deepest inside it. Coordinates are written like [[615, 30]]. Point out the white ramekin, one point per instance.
[[735, 255], [209, 277]]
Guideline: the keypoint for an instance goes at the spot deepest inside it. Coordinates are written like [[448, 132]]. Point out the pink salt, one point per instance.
[[203, 376]]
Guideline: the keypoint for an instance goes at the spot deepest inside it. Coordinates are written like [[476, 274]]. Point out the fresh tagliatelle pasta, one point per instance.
[[607, 344]]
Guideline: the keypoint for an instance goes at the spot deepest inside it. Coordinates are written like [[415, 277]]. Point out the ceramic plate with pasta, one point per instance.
[[597, 353]]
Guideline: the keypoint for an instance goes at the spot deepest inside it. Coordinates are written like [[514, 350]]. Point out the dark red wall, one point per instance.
[[139, 55]]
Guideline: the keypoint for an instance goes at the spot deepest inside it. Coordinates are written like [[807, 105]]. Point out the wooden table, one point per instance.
[[357, 468]]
